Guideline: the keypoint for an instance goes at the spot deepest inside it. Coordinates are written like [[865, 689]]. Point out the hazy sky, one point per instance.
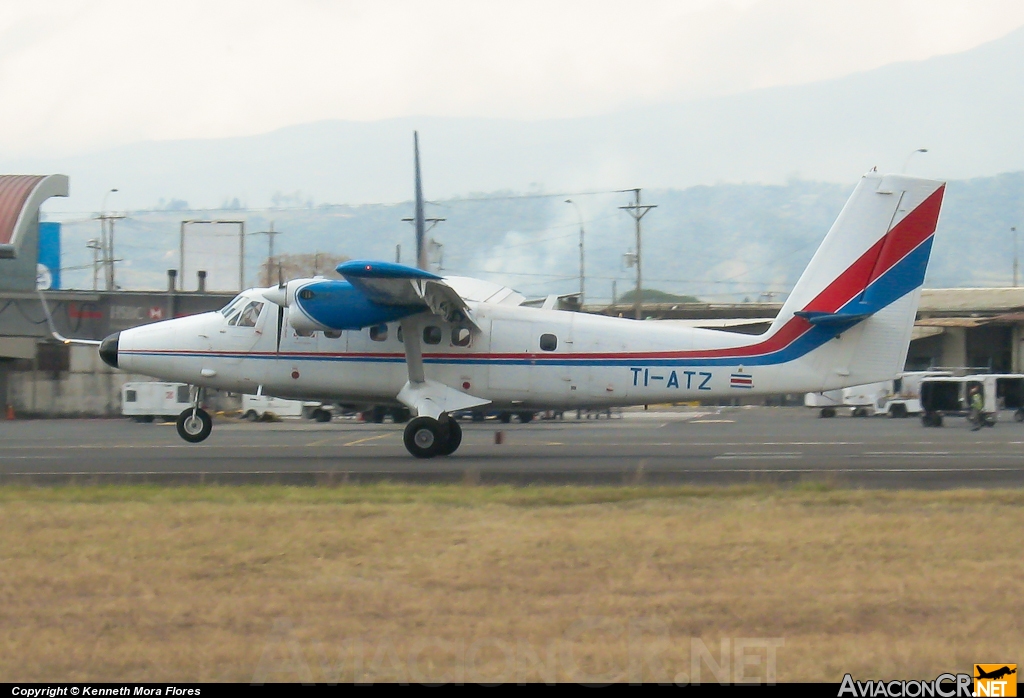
[[85, 74]]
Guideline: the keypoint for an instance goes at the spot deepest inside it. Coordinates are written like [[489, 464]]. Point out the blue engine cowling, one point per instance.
[[336, 305]]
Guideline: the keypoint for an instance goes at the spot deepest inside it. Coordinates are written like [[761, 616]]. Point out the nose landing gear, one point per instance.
[[426, 437], [195, 423]]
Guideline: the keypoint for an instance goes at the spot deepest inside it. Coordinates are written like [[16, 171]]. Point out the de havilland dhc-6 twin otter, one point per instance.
[[395, 334]]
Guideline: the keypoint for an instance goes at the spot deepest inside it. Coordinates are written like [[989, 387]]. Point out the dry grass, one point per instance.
[[478, 583]]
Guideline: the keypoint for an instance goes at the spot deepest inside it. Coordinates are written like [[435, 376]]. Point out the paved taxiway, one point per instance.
[[727, 446]]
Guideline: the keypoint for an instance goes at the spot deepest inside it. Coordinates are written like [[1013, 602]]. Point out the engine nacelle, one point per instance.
[[322, 304]]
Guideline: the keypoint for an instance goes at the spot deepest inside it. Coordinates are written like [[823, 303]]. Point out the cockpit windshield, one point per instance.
[[232, 306]]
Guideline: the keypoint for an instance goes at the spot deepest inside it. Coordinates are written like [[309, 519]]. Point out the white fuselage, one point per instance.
[[593, 360]]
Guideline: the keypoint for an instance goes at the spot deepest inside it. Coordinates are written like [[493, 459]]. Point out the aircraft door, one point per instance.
[[242, 330], [510, 349], [525, 361]]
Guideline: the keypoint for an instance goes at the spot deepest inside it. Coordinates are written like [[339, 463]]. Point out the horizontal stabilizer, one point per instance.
[[817, 317]]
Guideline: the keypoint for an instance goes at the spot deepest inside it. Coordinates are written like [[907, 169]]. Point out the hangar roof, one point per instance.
[[20, 199], [971, 299]]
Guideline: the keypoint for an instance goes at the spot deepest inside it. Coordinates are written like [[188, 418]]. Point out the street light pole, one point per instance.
[[579, 217], [107, 240]]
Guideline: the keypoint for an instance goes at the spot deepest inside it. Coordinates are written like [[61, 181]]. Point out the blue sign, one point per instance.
[[48, 271]]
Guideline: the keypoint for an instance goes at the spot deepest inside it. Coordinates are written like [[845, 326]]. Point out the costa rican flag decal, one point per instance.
[[741, 380]]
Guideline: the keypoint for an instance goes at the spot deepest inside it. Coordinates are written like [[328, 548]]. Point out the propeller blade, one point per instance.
[[280, 326]]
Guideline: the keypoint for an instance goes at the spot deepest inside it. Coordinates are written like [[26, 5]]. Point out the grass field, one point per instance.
[[388, 582]]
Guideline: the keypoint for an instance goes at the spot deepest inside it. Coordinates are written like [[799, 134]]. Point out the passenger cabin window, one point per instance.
[[399, 334], [548, 342], [432, 334], [332, 334], [130, 396], [379, 333], [461, 336]]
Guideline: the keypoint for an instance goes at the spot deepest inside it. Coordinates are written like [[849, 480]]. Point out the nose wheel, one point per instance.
[[194, 424], [426, 437]]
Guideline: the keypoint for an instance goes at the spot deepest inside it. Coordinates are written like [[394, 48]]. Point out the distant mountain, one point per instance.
[[726, 242], [965, 108]]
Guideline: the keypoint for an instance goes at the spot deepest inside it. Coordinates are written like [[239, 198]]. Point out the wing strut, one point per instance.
[[427, 398]]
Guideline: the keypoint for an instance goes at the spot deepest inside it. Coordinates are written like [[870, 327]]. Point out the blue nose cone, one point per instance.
[[108, 350]]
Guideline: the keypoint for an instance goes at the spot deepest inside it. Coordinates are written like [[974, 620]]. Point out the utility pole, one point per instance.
[[579, 217], [107, 242], [637, 212], [270, 248]]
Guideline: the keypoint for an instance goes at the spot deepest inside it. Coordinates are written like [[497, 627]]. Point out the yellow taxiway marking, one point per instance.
[[368, 438]]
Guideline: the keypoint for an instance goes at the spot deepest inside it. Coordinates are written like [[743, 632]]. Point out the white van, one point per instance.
[[256, 407], [145, 401]]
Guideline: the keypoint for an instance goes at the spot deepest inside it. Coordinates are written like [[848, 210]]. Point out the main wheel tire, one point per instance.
[[898, 411], [321, 415], [454, 439], [194, 427], [251, 416], [525, 417], [828, 412], [505, 417], [424, 437]]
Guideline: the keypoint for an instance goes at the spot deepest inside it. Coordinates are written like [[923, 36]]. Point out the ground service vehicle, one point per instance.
[[896, 398], [145, 401], [257, 407], [945, 396]]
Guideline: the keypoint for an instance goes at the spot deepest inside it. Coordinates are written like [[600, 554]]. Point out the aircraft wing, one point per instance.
[[389, 284]]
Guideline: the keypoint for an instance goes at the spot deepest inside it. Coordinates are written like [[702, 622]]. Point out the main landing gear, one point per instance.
[[195, 423], [426, 437]]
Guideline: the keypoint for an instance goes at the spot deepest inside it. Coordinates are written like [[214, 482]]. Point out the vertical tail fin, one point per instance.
[[875, 253], [864, 281]]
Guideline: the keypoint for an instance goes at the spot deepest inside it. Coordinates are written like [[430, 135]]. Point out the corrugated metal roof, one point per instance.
[[971, 299], [14, 193], [953, 321], [20, 199]]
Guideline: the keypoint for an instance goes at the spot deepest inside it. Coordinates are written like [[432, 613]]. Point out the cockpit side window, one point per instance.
[[248, 315]]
